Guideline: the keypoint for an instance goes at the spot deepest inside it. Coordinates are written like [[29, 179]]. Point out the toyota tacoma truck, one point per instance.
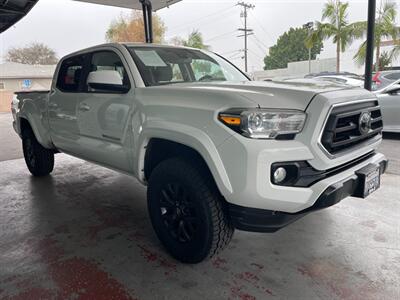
[[216, 150]]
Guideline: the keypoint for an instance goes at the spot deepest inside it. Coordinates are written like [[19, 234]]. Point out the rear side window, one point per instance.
[[393, 76], [70, 74]]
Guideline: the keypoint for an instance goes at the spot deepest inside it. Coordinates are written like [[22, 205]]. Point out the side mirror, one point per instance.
[[393, 89], [106, 80]]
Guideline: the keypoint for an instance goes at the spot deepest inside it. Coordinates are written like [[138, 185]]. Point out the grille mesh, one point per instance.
[[345, 129]]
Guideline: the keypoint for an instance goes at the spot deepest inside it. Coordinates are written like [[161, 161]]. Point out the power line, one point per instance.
[[229, 52], [222, 11], [260, 43], [219, 36], [245, 30], [262, 27]]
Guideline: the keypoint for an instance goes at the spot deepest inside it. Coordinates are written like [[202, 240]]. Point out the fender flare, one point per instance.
[[186, 135], [28, 112]]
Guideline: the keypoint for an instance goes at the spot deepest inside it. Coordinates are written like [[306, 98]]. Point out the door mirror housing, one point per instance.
[[106, 80]]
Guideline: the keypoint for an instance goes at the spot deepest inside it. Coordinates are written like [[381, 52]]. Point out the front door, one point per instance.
[[104, 116]]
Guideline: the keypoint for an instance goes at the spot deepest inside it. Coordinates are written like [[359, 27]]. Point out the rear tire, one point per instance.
[[187, 211], [39, 160]]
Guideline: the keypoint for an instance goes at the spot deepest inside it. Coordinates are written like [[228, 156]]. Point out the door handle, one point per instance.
[[84, 107]]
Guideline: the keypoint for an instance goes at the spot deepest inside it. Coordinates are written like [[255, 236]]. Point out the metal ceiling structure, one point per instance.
[[133, 4], [11, 11]]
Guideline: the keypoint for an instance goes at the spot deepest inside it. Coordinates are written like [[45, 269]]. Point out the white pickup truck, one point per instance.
[[216, 150]]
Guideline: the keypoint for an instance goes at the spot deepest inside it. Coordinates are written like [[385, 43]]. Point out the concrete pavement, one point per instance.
[[10, 143], [84, 233]]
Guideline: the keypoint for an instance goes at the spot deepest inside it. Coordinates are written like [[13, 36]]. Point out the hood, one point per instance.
[[276, 94]]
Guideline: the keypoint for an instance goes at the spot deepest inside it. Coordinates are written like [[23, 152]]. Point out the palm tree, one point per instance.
[[337, 27], [394, 54], [385, 28]]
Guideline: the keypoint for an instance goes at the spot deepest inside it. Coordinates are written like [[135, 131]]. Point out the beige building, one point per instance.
[[16, 77]]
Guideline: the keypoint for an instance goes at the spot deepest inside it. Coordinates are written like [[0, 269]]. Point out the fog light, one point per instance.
[[280, 175]]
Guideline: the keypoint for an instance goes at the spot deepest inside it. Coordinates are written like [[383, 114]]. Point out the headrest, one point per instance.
[[163, 73], [77, 76]]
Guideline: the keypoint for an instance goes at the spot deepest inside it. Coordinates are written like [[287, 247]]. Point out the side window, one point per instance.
[[177, 75], [393, 76], [70, 74], [108, 61]]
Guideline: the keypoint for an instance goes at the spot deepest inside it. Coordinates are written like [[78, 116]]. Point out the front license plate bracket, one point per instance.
[[369, 180]]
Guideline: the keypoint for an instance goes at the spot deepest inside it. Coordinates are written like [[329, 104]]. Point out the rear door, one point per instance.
[[103, 115], [63, 103]]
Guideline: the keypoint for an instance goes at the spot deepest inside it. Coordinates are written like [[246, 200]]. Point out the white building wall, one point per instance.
[[298, 69]]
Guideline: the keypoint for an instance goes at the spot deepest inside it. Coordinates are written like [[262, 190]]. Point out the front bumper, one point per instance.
[[261, 220]]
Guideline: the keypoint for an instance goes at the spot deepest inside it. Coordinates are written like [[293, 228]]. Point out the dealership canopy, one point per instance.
[[134, 4], [11, 11]]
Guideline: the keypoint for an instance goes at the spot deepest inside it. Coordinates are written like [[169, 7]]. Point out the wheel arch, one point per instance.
[[162, 143]]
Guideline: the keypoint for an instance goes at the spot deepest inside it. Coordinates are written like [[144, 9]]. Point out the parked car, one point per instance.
[[340, 79], [216, 150], [389, 100], [327, 73], [382, 79]]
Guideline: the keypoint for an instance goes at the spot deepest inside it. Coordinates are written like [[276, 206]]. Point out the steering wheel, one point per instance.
[[206, 77]]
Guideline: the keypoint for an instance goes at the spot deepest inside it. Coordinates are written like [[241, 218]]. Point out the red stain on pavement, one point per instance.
[[78, 278], [340, 280], [109, 218], [248, 276], [220, 263], [238, 293], [153, 257], [245, 279]]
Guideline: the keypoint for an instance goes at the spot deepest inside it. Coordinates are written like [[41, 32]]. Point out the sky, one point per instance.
[[67, 26]]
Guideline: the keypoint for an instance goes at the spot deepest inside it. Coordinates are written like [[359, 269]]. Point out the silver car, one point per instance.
[[389, 100]]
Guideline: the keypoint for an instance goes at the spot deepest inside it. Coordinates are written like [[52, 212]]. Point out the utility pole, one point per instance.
[[369, 59], [247, 31]]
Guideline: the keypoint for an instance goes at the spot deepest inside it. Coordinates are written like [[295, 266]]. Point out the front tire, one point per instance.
[[187, 211], [39, 160]]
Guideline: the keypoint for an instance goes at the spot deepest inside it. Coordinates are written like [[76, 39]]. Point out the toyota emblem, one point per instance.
[[364, 123]]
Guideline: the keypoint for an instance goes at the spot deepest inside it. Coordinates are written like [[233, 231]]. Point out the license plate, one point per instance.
[[370, 180]]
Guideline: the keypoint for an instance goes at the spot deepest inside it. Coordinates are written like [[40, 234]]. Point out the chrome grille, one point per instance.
[[350, 125]]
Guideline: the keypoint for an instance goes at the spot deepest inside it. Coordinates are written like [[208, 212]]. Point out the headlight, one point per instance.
[[265, 123]]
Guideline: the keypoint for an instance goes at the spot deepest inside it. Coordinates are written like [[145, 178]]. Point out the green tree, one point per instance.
[[395, 51], [337, 27], [33, 54], [385, 28], [195, 40], [291, 47], [131, 29]]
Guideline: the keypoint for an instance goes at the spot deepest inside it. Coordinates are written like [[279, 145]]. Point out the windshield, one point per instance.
[[167, 65]]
